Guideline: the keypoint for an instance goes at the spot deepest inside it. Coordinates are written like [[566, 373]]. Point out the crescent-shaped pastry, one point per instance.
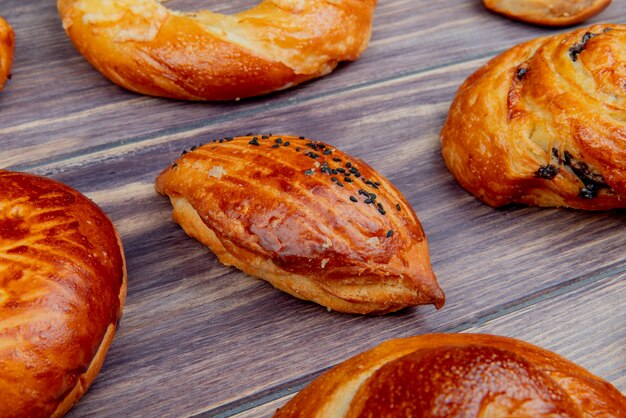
[[7, 44], [144, 47], [311, 220], [545, 123], [548, 12], [62, 288], [454, 376]]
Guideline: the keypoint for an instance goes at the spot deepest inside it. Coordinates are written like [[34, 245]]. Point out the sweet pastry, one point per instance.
[[144, 47], [543, 123], [456, 375], [7, 43], [62, 288], [548, 12], [311, 220]]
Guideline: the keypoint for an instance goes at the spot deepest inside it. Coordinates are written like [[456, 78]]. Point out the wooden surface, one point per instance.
[[201, 338]]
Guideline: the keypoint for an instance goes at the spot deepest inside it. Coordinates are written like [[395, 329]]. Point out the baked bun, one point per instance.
[[144, 47], [456, 375], [62, 288], [7, 43], [311, 220], [544, 123], [548, 12]]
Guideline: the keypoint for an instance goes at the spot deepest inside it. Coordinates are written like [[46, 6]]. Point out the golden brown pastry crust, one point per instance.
[[548, 12], [456, 375], [7, 44], [544, 123], [62, 289], [144, 47], [274, 208]]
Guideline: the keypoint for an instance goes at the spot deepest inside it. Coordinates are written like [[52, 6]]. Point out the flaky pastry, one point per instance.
[[545, 123], [7, 44], [147, 48], [311, 220], [62, 288], [548, 12], [453, 376]]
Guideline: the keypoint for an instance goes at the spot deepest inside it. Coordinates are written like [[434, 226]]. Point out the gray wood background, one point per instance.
[[201, 338]]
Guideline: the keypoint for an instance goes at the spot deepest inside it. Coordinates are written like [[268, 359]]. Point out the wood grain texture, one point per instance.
[[198, 337]]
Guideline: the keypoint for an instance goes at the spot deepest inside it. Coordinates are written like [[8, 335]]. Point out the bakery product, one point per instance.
[[456, 375], [548, 12], [311, 220], [543, 123], [144, 47], [7, 43], [62, 288]]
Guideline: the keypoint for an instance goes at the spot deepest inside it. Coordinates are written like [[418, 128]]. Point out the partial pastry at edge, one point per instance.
[[7, 44], [145, 47], [306, 217], [548, 12], [453, 376], [62, 290], [545, 123]]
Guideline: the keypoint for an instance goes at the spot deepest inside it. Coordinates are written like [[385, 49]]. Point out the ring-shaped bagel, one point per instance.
[[7, 43], [145, 47]]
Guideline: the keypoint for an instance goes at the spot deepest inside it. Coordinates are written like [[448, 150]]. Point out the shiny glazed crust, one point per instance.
[[62, 289], [544, 123], [456, 375], [144, 47], [292, 211], [7, 43], [548, 12]]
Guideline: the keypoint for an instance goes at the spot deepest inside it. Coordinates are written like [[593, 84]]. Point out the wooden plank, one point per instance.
[[198, 336], [56, 102], [595, 328]]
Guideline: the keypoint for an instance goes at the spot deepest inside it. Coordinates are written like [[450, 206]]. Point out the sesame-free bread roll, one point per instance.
[[454, 376], [311, 220], [145, 47], [7, 44], [545, 123], [548, 12], [62, 288]]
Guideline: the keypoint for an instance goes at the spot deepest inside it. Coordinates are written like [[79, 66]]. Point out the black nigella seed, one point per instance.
[[313, 155], [339, 184], [380, 205], [264, 137], [354, 199], [357, 174], [254, 141], [361, 191], [302, 137], [381, 211], [278, 140], [368, 201], [298, 149], [275, 145], [248, 134], [332, 170], [286, 144], [373, 195], [341, 170], [374, 185], [193, 148], [309, 172], [398, 206], [347, 174], [349, 165], [327, 151], [270, 134], [352, 169], [521, 72], [333, 179], [215, 140], [183, 153], [347, 179], [221, 141], [229, 138], [389, 233], [337, 160]]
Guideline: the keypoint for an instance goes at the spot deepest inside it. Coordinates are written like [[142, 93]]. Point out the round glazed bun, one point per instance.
[[548, 12], [62, 288], [457, 375], [144, 47], [7, 42]]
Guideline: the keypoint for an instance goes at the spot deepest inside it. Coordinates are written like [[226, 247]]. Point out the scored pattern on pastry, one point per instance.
[[144, 47], [456, 375], [7, 43], [548, 12], [545, 123], [303, 215], [62, 288]]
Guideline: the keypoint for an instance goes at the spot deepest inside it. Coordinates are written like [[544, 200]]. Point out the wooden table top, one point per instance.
[[201, 338]]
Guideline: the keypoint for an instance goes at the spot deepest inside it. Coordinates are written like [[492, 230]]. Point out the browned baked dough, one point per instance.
[[548, 12], [545, 123], [7, 43], [456, 375], [293, 212], [144, 47], [62, 289]]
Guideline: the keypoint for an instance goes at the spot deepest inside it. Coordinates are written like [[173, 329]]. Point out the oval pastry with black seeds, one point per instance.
[[306, 217]]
